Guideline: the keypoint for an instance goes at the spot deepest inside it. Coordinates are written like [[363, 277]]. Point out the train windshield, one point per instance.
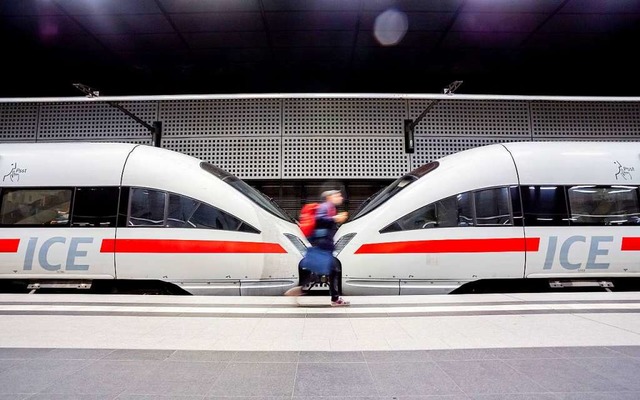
[[254, 195], [394, 188]]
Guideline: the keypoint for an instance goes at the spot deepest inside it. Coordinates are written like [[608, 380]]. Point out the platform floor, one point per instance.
[[507, 346]]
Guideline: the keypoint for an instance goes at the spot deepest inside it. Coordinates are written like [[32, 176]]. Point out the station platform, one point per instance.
[[491, 346]]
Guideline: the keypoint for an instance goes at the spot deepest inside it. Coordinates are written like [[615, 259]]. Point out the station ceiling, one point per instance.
[[121, 47]]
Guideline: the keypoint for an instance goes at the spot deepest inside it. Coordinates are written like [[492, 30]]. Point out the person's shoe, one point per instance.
[[294, 291], [340, 303]]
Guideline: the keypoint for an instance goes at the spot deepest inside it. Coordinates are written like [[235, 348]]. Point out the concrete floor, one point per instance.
[[511, 346]]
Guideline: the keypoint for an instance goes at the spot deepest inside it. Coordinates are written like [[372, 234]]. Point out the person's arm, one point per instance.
[[323, 214]]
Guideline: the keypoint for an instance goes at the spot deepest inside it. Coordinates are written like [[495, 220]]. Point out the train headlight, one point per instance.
[[297, 242], [342, 243]]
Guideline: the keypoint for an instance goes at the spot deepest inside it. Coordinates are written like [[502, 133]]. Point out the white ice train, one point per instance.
[[123, 217], [566, 213]]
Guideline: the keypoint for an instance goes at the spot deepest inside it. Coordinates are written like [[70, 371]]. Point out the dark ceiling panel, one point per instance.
[[81, 44], [313, 54], [411, 39], [418, 21], [212, 40], [508, 6], [125, 24], [391, 59], [154, 61], [322, 20], [474, 61], [25, 8], [488, 40], [97, 7], [205, 56], [602, 6], [590, 23], [498, 22], [44, 28], [312, 38], [149, 42], [316, 5], [413, 5], [216, 22], [198, 6], [173, 46], [565, 41]]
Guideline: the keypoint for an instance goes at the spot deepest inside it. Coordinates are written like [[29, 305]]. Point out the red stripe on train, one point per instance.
[[630, 244], [9, 245], [452, 246], [186, 246]]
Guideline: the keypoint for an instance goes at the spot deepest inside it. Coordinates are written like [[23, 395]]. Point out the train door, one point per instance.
[[57, 233], [174, 238], [583, 230]]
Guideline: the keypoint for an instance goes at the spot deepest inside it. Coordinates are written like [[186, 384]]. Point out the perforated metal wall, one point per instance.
[[344, 157], [91, 121], [464, 117], [18, 122], [331, 117], [249, 158], [552, 119], [265, 138], [346, 138], [253, 117]]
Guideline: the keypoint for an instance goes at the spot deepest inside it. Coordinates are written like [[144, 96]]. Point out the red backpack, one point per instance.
[[308, 218]]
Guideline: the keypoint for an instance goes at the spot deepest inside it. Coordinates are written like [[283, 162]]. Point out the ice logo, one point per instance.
[[623, 171], [14, 174]]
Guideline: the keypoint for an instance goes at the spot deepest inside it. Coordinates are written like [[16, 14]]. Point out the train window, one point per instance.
[[516, 205], [394, 188], [464, 212], [206, 216], [180, 210], [259, 198], [452, 211], [123, 207], [492, 207], [147, 207], [544, 205], [95, 207], [35, 207], [597, 205]]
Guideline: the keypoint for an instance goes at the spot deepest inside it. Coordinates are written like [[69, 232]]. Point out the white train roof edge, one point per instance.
[[577, 162]]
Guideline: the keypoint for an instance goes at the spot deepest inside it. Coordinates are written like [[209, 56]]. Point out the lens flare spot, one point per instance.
[[390, 27]]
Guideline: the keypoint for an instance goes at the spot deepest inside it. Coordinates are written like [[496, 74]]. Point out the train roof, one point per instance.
[[63, 164], [576, 162], [571, 148]]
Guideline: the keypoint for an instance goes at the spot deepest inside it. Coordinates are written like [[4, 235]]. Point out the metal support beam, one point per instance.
[[410, 125], [155, 129]]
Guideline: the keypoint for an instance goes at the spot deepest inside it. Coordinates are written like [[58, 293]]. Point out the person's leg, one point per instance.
[[305, 279], [335, 280], [335, 285]]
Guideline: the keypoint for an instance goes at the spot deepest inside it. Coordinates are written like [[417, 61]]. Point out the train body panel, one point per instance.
[[464, 220], [61, 253], [167, 217], [582, 252]]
